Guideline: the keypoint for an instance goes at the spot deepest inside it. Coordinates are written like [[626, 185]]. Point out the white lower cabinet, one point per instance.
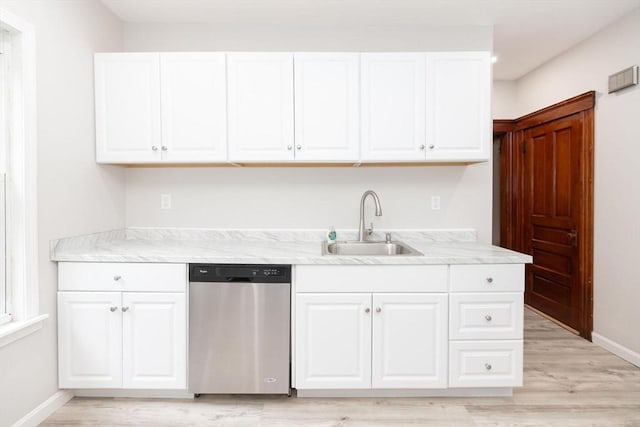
[[364, 340], [118, 339]]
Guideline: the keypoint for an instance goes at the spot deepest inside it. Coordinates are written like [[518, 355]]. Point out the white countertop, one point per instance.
[[271, 247]]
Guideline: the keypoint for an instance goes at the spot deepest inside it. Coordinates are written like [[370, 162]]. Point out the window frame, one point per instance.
[[21, 183]]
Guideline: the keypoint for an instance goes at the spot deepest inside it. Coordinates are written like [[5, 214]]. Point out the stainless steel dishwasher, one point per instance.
[[239, 328]]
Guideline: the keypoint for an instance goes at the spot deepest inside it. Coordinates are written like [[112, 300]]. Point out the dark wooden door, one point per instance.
[[553, 198]]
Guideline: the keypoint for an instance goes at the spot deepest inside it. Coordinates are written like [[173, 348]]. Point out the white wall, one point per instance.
[[617, 166], [308, 197], [75, 195], [503, 99]]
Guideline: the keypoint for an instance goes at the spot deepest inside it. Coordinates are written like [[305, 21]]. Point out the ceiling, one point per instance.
[[527, 33]]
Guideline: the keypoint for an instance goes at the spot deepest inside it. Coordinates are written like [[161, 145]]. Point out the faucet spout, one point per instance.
[[363, 233]]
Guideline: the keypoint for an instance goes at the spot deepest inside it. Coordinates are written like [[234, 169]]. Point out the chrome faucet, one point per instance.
[[363, 233]]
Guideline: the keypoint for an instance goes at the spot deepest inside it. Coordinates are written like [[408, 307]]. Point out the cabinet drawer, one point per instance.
[[371, 278], [486, 316], [487, 277], [485, 363], [108, 276]]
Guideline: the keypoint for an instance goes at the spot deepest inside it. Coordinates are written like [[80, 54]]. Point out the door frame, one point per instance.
[[512, 210]]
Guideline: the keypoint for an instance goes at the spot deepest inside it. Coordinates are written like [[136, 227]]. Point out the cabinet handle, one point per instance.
[[487, 366], [125, 309], [488, 318], [116, 277], [164, 148], [299, 147], [154, 148], [113, 309], [367, 310], [431, 147], [378, 309], [489, 279], [422, 147], [289, 147]]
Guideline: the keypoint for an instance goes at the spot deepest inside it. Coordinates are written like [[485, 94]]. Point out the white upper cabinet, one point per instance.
[[127, 91], [260, 106], [194, 110], [326, 106], [458, 106], [393, 106], [167, 107]]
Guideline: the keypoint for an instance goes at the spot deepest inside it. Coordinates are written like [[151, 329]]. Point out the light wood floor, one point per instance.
[[567, 382]]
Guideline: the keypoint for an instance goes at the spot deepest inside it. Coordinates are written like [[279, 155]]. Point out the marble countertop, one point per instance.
[[271, 247]]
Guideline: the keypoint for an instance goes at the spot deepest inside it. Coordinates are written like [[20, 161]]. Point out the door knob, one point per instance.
[[125, 309], [488, 318], [378, 309], [289, 147], [367, 310], [431, 147], [487, 366], [299, 147], [113, 309], [573, 237], [489, 279], [422, 147], [117, 277], [154, 148], [164, 148]]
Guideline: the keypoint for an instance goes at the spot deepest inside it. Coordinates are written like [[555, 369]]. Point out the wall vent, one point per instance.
[[623, 79]]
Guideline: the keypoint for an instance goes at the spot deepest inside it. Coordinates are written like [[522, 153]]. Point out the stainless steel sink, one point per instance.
[[356, 248]]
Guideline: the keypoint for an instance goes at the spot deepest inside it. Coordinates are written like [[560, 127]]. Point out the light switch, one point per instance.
[[165, 201], [435, 203]]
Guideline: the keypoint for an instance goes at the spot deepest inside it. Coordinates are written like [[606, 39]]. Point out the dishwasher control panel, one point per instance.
[[258, 273]]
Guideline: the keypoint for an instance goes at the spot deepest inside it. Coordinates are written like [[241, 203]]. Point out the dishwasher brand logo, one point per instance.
[[270, 380], [203, 271]]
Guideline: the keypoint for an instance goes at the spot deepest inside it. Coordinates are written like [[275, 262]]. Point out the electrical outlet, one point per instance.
[[435, 203], [165, 201]]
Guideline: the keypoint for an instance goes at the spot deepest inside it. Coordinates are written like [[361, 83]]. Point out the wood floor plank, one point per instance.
[[568, 382]]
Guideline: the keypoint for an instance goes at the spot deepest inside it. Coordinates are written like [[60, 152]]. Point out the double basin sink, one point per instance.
[[357, 248]]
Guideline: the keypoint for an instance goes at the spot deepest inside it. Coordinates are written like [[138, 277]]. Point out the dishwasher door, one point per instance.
[[239, 337]]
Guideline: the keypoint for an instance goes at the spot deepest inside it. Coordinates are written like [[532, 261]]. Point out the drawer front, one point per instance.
[[485, 363], [110, 276], [487, 277], [371, 278], [486, 316]]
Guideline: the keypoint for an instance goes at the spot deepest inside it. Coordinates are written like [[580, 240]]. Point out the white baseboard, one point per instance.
[[46, 408], [617, 349], [444, 392], [146, 393]]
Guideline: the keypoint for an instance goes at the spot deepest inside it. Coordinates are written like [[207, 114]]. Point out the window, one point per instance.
[[18, 215], [5, 308]]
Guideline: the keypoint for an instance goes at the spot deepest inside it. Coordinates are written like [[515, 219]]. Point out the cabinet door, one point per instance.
[[194, 107], [127, 91], [260, 106], [154, 340], [458, 106], [326, 106], [89, 340], [393, 106], [333, 341], [410, 341]]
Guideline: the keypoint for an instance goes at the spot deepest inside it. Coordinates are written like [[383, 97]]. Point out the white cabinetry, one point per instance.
[[160, 107], [393, 106], [260, 103], [485, 325], [110, 337], [351, 339], [326, 106], [458, 106], [426, 106], [127, 91]]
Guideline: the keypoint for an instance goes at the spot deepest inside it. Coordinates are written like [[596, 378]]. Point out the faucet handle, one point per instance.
[[387, 238], [370, 230]]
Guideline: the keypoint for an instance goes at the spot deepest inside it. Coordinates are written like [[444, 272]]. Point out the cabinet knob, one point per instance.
[[367, 310], [116, 278], [113, 309], [489, 279], [299, 147], [154, 148], [164, 148], [422, 147], [488, 318], [431, 147], [378, 309], [487, 366], [125, 309], [289, 147]]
